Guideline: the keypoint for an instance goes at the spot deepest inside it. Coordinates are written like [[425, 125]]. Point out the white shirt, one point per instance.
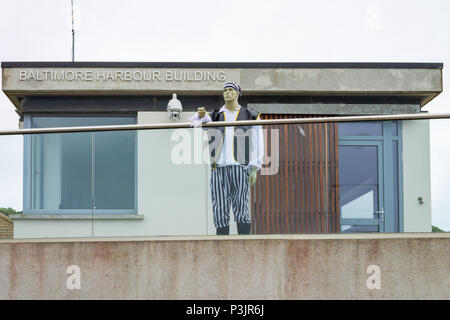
[[226, 156]]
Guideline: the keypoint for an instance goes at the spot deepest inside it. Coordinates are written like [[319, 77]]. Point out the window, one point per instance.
[[82, 171], [367, 128]]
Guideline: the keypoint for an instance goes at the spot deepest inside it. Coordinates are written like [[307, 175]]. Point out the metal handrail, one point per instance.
[[416, 116]]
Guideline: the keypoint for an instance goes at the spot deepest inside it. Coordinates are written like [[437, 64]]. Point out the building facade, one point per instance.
[[345, 177]]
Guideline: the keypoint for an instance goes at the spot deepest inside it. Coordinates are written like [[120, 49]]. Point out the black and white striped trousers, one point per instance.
[[230, 184]]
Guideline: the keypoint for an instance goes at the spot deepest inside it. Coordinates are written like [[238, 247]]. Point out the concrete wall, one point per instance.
[[51, 228], [334, 108], [181, 204], [411, 266], [416, 176], [173, 197], [252, 80]]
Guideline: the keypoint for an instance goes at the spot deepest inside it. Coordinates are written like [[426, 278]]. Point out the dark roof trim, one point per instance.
[[87, 64]]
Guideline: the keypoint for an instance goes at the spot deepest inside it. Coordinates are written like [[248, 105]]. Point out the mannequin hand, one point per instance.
[[252, 177], [201, 112]]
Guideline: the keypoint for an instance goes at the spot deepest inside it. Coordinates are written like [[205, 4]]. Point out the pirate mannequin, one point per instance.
[[235, 163]]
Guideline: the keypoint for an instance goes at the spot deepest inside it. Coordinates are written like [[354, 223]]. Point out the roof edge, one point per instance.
[[347, 65]]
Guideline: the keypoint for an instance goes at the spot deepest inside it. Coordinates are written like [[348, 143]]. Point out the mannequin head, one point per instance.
[[231, 92]]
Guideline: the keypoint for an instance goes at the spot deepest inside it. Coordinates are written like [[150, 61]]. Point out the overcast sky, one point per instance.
[[212, 30]]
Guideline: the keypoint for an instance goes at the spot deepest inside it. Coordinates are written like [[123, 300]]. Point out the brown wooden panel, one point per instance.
[[286, 210], [310, 174], [336, 172], [315, 154], [302, 181], [303, 197], [295, 180], [321, 155], [277, 178]]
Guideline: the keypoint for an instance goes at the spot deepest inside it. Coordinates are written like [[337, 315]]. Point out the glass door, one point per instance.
[[361, 186]]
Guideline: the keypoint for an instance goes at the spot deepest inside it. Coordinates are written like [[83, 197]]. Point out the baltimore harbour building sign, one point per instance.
[[121, 75]]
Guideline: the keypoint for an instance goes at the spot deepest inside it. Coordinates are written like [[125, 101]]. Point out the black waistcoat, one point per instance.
[[241, 136]]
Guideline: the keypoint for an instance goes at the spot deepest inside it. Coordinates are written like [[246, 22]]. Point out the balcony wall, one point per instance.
[[412, 266]]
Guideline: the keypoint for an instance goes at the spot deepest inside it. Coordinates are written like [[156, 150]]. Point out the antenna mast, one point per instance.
[[73, 36]]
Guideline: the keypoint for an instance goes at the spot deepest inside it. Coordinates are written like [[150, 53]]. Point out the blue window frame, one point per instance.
[[386, 136], [82, 172]]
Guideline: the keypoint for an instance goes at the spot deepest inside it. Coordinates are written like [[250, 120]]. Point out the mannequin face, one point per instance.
[[229, 94]]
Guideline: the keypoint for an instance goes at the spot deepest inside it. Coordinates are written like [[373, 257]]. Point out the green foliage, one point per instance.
[[9, 211], [436, 229]]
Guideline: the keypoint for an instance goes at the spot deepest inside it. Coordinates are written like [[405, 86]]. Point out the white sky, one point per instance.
[[244, 30]]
